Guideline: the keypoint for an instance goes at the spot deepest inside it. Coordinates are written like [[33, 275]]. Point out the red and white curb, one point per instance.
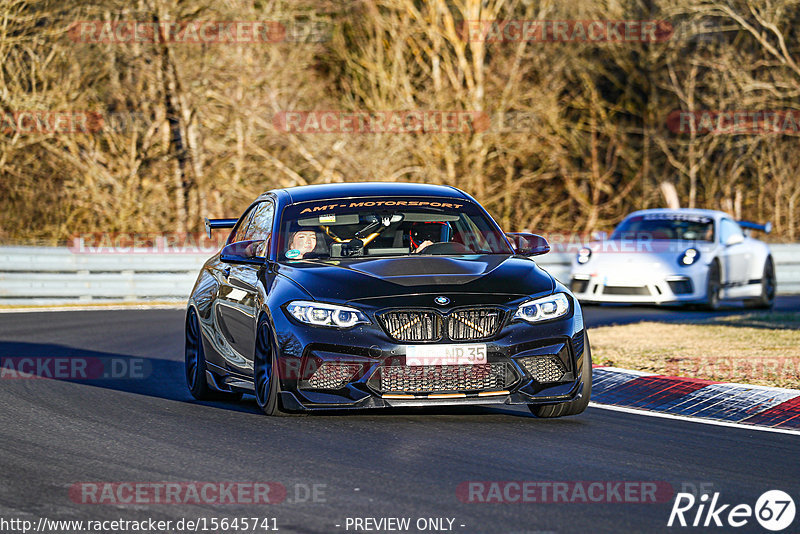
[[730, 404]]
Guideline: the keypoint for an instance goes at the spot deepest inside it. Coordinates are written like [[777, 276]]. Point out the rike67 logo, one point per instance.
[[774, 510]]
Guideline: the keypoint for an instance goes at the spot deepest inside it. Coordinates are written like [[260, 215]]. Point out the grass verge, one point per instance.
[[753, 348]]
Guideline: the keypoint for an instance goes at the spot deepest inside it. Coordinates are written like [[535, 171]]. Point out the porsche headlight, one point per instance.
[[584, 255], [543, 309], [689, 257], [320, 314]]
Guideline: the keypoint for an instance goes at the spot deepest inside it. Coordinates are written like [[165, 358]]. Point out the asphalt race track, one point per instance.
[[407, 464]]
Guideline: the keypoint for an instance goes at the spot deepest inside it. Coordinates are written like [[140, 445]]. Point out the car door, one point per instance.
[[237, 302], [734, 253]]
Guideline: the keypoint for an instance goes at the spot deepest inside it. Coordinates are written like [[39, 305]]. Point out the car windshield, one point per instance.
[[355, 227], [666, 226]]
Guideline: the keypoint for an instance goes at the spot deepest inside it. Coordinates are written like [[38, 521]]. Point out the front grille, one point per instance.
[[413, 325], [680, 287], [442, 378], [475, 323], [332, 375], [543, 368], [460, 325], [626, 290]]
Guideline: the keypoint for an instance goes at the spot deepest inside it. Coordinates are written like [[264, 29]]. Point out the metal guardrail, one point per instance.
[[51, 275], [787, 267]]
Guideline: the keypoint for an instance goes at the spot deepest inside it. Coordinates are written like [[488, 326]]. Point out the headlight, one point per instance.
[[319, 314], [584, 254], [543, 309], [689, 257]]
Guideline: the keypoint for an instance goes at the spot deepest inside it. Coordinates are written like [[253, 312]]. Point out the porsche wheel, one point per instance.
[[195, 364], [768, 285], [575, 406]]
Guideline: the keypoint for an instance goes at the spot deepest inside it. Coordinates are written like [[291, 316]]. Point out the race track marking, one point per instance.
[[636, 411]]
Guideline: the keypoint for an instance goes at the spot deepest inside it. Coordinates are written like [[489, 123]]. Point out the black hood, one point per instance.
[[498, 277]]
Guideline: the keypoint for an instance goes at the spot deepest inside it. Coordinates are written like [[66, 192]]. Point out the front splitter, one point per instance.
[[291, 402]]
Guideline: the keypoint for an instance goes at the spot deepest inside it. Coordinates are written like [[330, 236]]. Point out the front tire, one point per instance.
[[575, 406], [265, 378], [768, 285]]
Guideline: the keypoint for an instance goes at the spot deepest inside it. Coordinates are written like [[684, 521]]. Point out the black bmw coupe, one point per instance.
[[374, 295]]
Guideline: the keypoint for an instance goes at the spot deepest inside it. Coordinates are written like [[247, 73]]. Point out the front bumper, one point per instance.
[[641, 286], [321, 368]]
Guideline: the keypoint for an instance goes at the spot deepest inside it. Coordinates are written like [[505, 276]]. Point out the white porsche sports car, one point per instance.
[[683, 256]]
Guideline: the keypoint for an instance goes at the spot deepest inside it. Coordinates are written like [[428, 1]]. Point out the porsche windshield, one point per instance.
[[666, 226], [356, 227]]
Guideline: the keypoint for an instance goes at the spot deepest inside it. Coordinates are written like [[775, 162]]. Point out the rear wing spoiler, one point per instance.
[[766, 227], [216, 224]]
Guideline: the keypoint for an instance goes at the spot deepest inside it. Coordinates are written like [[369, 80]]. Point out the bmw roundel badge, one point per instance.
[[442, 301]]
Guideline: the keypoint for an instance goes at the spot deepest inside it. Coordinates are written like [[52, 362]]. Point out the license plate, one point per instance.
[[468, 354]]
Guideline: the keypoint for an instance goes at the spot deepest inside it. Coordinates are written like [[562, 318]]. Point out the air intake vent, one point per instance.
[[577, 343], [680, 287], [543, 368], [626, 290], [332, 375], [443, 378]]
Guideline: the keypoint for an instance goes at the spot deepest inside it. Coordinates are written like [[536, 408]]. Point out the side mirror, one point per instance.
[[246, 252], [528, 244], [734, 239]]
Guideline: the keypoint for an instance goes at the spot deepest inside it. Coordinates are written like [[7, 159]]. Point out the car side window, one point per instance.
[[729, 228], [261, 223], [241, 229]]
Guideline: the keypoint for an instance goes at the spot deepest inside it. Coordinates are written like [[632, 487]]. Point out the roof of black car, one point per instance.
[[370, 189]]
